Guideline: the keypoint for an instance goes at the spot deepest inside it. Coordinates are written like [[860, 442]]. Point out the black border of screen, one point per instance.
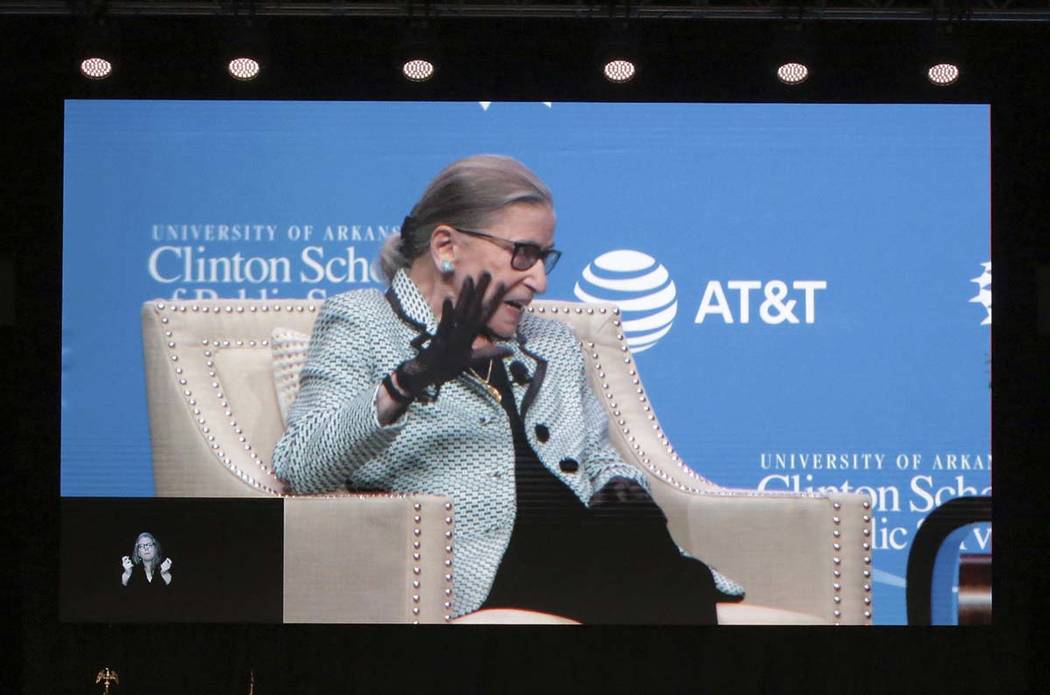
[[712, 61]]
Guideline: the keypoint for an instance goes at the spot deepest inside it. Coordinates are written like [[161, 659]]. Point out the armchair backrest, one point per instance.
[[213, 409], [633, 426]]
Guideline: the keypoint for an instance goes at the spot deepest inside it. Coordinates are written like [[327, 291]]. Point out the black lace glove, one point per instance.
[[450, 350], [620, 491], [624, 500]]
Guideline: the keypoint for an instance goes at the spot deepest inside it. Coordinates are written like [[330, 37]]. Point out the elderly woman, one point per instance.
[[146, 567], [445, 385]]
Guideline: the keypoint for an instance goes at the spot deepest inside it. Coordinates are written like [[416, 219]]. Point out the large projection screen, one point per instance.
[[824, 321]]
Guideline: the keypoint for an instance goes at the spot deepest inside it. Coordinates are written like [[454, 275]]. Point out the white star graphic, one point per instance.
[[486, 104], [984, 292]]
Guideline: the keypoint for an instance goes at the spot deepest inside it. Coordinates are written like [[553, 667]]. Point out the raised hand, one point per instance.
[[125, 577], [165, 566], [450, 351]]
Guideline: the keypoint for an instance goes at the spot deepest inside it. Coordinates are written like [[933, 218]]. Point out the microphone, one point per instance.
[[519, 373]]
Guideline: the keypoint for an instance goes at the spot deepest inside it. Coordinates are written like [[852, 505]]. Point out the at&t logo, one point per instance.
[[640, 287]]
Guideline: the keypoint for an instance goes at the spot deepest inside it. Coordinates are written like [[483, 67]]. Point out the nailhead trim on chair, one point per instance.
[[226, 406], [698, 484], [836, 573], [447, 604], [867, 572], [643, 457], [218, 344], [202, 424], [417, 571], [867, 564], [640, 454], [836, 561]]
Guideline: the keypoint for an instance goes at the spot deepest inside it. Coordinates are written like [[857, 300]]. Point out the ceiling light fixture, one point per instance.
[[96, 68], [943, 74], [619, 70], [243, 68], [792, 73], [246, 48]]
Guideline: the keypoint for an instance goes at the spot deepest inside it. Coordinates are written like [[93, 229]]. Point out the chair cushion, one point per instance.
[[288, 348]]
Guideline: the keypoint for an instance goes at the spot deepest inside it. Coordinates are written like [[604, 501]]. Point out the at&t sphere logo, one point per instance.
[[640, 286]]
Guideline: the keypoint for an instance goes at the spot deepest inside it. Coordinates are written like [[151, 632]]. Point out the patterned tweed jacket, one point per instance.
[[459, 444]]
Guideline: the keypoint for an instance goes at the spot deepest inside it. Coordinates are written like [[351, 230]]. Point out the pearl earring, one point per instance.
[[447, 267]]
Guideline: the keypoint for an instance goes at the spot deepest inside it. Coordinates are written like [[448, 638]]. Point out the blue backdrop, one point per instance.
[[826, 267]]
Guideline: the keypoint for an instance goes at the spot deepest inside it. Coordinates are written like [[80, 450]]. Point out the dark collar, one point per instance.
[[409, 304]]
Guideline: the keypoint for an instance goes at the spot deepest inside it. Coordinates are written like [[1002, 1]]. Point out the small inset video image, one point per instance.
[[171, 560], [147, 570]]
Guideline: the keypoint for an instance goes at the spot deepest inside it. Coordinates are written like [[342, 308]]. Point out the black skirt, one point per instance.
[[614, 564]]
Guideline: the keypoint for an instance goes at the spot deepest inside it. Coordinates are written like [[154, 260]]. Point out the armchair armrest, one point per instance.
[[367, 559], [806, 553]]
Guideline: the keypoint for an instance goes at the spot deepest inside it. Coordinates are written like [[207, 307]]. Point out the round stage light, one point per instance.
[[96, 68], [792, 73], [943, 74], [417, 70], [243, 69], [618, 70]]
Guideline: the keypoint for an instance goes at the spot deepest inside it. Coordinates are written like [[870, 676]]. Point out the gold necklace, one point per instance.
[[493, 391]]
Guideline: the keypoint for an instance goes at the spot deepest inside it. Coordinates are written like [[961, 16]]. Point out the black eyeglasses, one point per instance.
[[525, 253]]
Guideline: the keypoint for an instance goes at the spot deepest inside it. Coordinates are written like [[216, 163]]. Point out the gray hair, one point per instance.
[[158, 555], [467, 193]]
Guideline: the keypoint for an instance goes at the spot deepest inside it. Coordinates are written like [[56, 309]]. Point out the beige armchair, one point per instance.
[[214, 420]]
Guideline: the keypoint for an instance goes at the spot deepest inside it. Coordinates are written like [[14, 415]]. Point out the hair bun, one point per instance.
[[406, 230]]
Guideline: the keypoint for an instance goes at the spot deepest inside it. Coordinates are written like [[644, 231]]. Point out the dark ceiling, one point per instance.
[[848, 10]]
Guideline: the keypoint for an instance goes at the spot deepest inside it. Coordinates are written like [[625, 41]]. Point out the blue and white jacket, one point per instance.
[[460, 444]]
